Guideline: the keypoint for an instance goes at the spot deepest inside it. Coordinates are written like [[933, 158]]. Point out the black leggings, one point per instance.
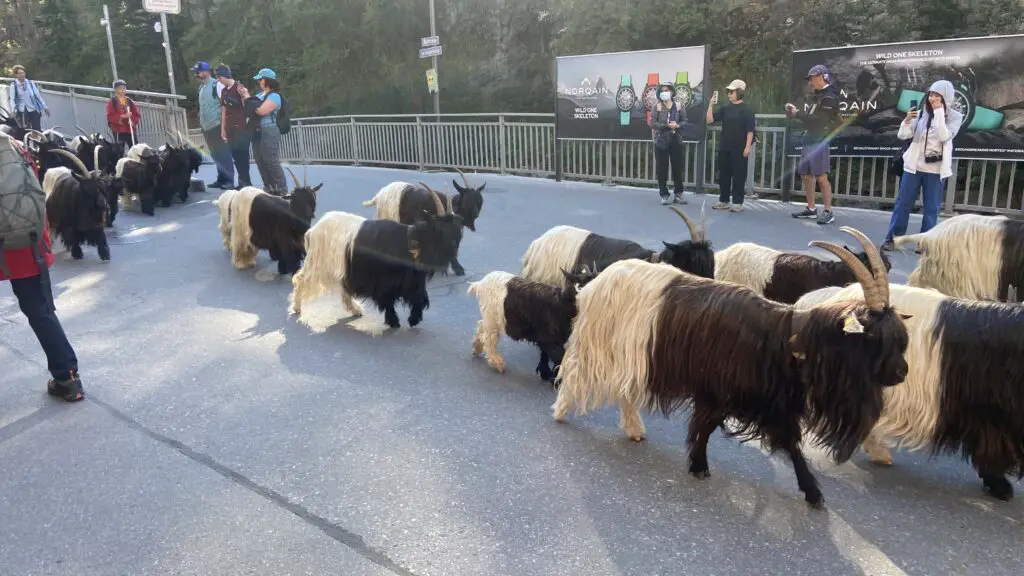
[[732, 168], [662, 157]]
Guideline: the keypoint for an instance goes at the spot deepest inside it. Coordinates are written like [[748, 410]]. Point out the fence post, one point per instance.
[[787, 180], [355, 141], [303, 156], [701, 161], [951, 190], [748, 186], [419, 142], [607, 165], [502, 163], [74, 105]]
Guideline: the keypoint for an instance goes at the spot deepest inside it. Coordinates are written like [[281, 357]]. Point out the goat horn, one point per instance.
[[695, 233], [75, 159], [464, 180], [438, 205], [871, 295], [96, 157], [294, 178], [877, 266], [84, 133], [38, 135]]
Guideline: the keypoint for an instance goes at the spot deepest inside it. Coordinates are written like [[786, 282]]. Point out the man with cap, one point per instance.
[[820, 117], [209, 121], [734, 146], [123, 116], [233, 129]]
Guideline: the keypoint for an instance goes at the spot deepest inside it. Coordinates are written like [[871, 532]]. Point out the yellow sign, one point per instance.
[[432, 80]]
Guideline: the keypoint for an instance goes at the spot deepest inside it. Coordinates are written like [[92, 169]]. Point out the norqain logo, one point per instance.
[[587, 89]]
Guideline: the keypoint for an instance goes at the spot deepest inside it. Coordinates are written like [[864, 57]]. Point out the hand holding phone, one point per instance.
[[714, 98], [912, 113]]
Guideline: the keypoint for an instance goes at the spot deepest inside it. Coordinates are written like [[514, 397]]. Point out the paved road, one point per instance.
[[222, 438]]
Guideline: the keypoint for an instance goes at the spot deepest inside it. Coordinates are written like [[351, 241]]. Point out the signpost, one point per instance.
[[105, 22], [165, 7], [430, 47]]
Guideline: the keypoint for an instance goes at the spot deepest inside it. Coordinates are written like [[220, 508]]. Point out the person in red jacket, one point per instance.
[[123, 115], [30, 282]]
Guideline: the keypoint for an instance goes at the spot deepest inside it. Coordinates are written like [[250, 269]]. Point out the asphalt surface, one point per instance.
[[221, 437]]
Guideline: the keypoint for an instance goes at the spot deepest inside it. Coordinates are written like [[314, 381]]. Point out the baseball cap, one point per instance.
[[119, 82], [737, 84], [223, 70], [265, 73], [817, 70], [201, 67]]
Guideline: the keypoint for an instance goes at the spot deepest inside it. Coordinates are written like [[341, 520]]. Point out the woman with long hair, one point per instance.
[[928, 160], [666, 116], [266, 141]]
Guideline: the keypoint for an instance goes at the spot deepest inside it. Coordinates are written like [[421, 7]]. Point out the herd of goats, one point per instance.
[[760, 343]]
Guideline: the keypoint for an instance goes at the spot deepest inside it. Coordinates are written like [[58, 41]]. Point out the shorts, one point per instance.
[[814, 160]]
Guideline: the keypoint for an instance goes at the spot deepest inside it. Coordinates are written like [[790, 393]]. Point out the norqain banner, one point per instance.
[[987, 74], [609, 96]]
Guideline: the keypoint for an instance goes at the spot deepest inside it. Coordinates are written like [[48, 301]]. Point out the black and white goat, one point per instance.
[[569, 248], [382, 260], [11, 126], [969, 256], [524, 310], [259, 221], [76, 207], [178, 161], [139, 171], [650, 335], [783, 276], [42, 145]]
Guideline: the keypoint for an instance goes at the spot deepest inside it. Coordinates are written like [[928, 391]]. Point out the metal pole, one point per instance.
[[110, 41], [433, 62], [167, 51]]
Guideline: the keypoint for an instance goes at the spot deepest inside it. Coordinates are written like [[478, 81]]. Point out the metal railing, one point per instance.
[[524, 144], [74, 105]]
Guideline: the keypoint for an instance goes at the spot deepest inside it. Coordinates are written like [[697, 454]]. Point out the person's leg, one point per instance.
[[35, 120], [661, 171], [271, 144], [739, 178], [910, 184], [820, 169], [931, 199], [257, 158], [240, 158], [724, 180], [676, 156], [211, 137], [35, 299], [225, 163], [807, 182]]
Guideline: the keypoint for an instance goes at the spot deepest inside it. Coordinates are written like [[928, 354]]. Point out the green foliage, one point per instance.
[[359, 57]]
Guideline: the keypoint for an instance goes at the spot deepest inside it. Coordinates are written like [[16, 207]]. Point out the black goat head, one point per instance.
[[468, 202]]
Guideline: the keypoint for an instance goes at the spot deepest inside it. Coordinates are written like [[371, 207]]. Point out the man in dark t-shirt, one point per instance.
[[233, 128], [734, 144]]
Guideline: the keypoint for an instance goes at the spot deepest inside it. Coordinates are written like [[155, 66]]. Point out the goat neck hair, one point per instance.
[[651, 335]]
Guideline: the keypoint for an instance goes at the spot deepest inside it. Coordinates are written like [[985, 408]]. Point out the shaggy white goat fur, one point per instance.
[[327, 245], [135, 152], [51, 177], [598, 369], [223, 203], [127, 195], [388, 200], [490, 292], [960, 257], [746, 264], [552, 252], [243, 252], [911, 410]]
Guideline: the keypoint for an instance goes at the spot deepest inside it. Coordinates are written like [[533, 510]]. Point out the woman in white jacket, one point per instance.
[[928, 160]]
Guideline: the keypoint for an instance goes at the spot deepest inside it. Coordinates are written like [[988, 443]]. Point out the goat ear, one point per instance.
[[482, 186], [669, 245], [906, 317], [457, 187], [851, 325], [316, 188]]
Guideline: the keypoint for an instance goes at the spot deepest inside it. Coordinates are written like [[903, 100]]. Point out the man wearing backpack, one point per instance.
[[25, 258], [210, 112], [26, 103]]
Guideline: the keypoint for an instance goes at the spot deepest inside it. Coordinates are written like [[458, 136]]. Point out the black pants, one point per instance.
[[124, 139], [732, 167], [239, 145], [662, 157], [32, 120], [36, 301]]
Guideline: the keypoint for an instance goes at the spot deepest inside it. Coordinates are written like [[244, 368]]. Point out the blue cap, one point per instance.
[[265, 73], [817, 70], [201, 67], [223, 71]]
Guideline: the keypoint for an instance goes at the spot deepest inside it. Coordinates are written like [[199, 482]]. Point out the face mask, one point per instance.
[[665, 96]]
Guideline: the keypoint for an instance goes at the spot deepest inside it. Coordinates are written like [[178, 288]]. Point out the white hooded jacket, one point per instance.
[[945, 125]]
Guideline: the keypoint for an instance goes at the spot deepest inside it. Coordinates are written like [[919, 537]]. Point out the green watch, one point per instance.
[[684, 94], [625, 98]]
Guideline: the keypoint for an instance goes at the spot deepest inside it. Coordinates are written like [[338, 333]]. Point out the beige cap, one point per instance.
[[737, 85]]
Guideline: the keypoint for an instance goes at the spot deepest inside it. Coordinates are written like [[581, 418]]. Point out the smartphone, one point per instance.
[[714, 95], [913, 104]]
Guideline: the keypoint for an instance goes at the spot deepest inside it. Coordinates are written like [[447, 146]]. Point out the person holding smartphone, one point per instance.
[[931, 127], [734, 145]]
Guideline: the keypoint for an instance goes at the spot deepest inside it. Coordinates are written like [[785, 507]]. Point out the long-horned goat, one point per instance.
[[382, 260], [964, 391], [139, 171], [42, 144], [524, 310], [569, 248], [260, 221], [11, 126], [178, 161], [650, 335], [783, 276], [969, 256], [406, 203], [76, 207]]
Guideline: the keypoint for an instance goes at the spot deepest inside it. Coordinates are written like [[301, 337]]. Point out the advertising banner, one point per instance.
[[877, 85], [609, 96]]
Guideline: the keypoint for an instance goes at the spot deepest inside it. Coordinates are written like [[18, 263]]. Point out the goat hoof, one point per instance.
[[999, 488], [459, 271], [815, 499], [636, 438], [700, 472], [882, 461]]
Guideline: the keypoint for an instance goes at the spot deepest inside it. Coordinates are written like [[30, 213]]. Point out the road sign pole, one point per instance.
[[110, 42], [437, 93], [167, 51]]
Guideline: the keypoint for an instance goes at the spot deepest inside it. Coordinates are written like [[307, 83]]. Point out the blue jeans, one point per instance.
[[221, 154], [910, 185]]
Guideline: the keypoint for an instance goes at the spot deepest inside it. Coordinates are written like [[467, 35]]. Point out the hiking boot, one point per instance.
[[806, 213], [887, 246], [679, 199], [720, 206], [736, 208], [826, 217], [665, 201], [69, 390]]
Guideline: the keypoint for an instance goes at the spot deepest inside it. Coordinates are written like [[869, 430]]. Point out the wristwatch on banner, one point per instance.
[[684, 94], [975, 117], [650, 96], [625, 98]]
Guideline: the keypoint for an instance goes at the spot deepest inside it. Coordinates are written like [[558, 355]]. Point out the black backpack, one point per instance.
[[284, 121]]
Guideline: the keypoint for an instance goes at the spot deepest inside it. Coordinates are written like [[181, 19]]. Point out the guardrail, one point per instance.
[[74, 105], [524, 144]]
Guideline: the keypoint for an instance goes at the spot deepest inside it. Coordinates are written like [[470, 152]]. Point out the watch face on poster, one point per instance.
[[650, 97], [684, 96], [625, 98]]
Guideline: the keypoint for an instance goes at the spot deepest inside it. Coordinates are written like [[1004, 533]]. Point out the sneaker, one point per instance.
[[665, 201], [720, 206], [213, 184], [826, 217], [69, 390], [736, 208], [678, 199], [806, 213], [887, 246]]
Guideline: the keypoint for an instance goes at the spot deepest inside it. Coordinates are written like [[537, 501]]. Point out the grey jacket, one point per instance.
[[663, 135]]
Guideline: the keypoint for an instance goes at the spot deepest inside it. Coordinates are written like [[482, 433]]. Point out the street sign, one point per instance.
[[430, 41], [162, 6], [430, 52], [432, 80]]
